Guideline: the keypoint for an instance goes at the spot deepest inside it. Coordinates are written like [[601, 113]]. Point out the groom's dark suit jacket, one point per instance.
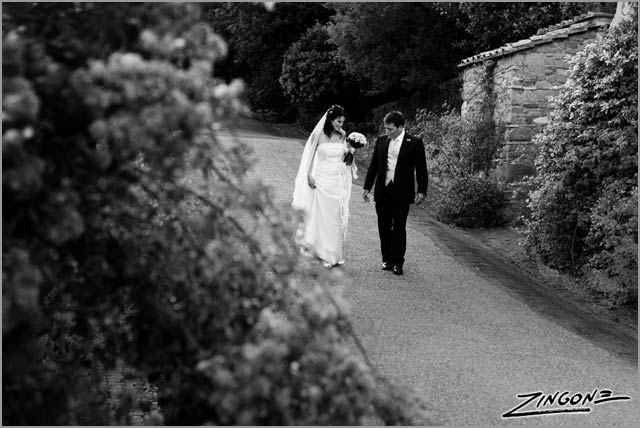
[[410, 159]]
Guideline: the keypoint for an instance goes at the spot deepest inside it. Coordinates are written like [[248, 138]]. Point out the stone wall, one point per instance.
[[516, 87]]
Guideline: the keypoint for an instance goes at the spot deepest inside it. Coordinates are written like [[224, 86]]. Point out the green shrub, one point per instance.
[[459, 158], [311, 70], [470, 201], [129, 238], [314, 77], [559, 239], [613, 241], [587, 166]]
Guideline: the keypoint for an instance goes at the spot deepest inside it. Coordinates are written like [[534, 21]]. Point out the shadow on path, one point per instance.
[[554, 303]]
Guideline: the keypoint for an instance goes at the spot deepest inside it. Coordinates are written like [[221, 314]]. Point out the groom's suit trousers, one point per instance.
[[392, 211]]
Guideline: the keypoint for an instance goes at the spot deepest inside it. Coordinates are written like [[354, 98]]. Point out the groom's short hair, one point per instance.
[[394, 117]]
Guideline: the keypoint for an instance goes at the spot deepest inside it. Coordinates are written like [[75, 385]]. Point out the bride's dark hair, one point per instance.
[[334, 112]]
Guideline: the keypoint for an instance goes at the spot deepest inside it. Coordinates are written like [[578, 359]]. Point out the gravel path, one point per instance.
[[466, 342]]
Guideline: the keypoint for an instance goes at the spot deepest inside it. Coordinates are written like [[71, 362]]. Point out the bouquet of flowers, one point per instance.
[[356, 141]]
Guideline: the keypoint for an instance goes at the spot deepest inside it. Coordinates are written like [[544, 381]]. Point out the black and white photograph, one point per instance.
[[320, 213]]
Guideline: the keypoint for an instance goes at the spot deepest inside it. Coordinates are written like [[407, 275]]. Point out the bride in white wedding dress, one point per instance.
[[323, 188]]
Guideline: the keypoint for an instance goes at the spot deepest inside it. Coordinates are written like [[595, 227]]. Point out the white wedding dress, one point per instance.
[[327, 208]]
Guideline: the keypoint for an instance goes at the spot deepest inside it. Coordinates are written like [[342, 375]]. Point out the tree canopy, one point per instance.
[[384, 53], [395, 47], [258, 40], [487, 26]]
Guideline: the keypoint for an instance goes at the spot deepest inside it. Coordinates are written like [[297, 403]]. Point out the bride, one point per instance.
[[323, 188]]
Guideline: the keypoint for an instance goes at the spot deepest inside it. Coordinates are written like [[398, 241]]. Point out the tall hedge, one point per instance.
[[584, 206], [133, 236]]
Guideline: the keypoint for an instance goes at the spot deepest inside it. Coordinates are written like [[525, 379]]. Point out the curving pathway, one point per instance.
[[463, 328]]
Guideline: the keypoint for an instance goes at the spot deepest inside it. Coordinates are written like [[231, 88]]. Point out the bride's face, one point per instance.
[[337, 123]]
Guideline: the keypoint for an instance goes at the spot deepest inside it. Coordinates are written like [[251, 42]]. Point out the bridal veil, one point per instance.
[[301, 190]]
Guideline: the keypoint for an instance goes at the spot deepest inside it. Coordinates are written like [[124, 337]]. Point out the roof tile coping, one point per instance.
[[558, 31], [574, 20]]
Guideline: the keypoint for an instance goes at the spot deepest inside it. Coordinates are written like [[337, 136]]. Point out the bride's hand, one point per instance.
[[311, 181]]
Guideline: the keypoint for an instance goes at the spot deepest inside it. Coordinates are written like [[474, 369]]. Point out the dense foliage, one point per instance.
[[584, 206], [311, 72], [314, 77], [395, 49], [133, 236], [258, 40], [459, 157], [385, 55], [489, 25]]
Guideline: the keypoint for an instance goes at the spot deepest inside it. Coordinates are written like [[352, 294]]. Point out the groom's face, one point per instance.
[[392, 130]]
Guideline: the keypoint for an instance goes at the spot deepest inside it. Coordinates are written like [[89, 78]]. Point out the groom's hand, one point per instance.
[[420, 198], [365, 195]]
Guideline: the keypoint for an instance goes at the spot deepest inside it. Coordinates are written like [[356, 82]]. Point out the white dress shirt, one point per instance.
[[392, 157]]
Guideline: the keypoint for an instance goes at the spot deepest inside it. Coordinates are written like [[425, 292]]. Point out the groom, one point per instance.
[[397, 155]]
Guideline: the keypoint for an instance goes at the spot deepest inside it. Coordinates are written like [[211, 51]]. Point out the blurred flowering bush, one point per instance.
[[584, 205], [131, 235]]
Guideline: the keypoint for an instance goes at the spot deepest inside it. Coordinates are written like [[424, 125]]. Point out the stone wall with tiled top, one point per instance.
[[521, 78]]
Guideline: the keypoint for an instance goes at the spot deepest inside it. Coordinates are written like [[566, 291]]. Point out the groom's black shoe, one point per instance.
[[397, 270], [386, 266]]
